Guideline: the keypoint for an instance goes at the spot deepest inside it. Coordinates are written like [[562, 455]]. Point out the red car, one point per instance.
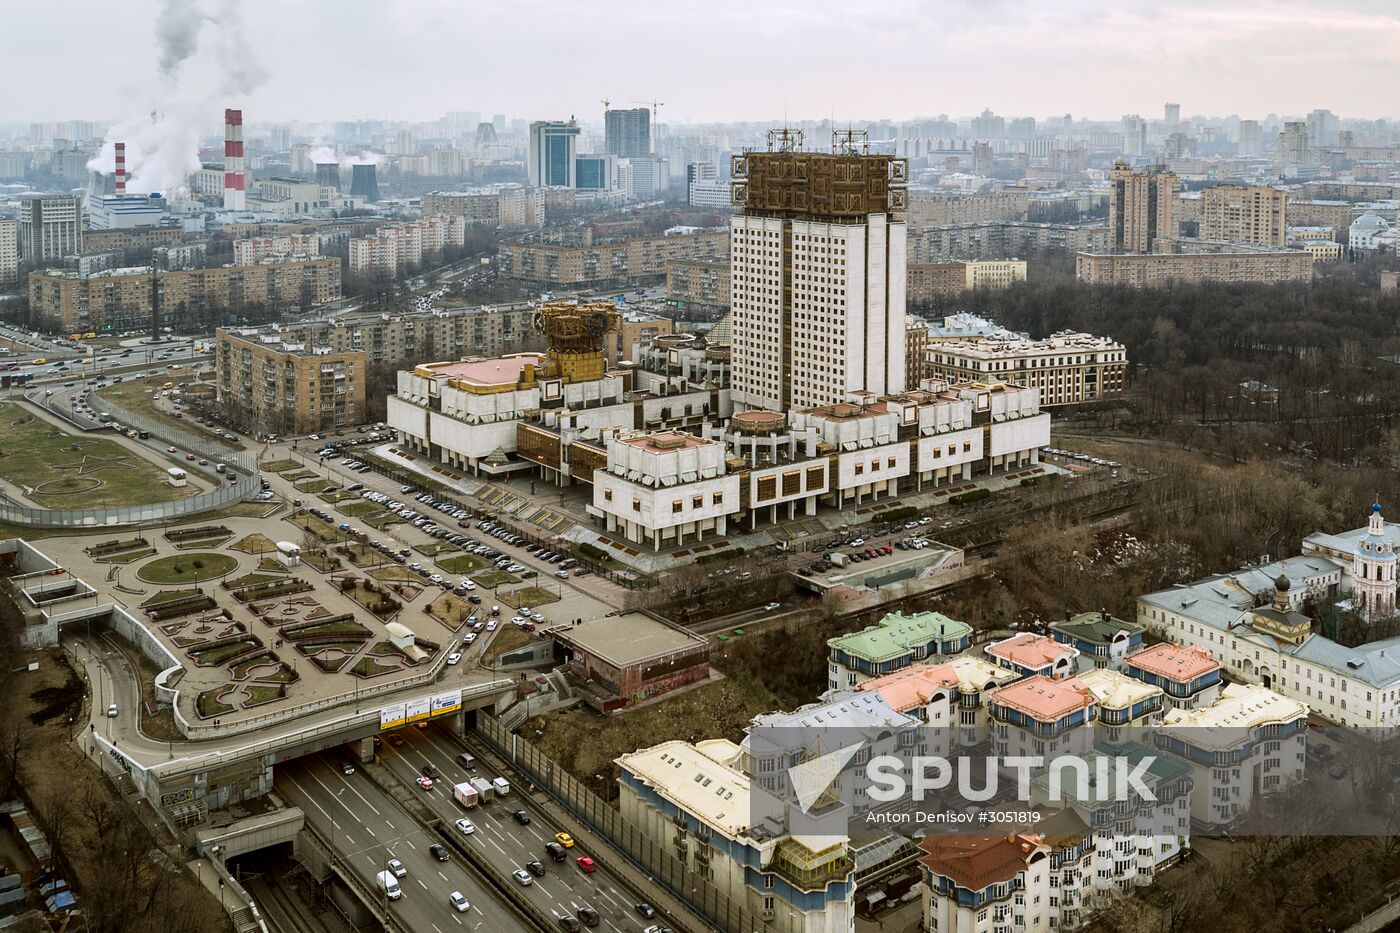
[[586, 864], [426, 783], [885, 549]]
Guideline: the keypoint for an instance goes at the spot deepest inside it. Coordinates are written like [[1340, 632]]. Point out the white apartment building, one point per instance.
[[987, 884], [1250, 741], [953, 694], [1249, 623], [252, 251], [1068, 368], [9, 252], [50, 227], [709, 193], [398, 246], [1365, 230], [699, 802], [818, 286]]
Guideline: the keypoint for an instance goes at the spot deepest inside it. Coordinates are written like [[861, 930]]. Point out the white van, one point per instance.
[[389, 885], [502, 786]]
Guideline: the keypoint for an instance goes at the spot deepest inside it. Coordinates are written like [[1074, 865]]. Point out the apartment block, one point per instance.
[[510, 207], [395, 247], [1140, 207], [930, 281], [134, 241], [698, 284], [1068, 368], [622, 260], [1255, 266], [1004, 240], [287, 388], [1245, 214], [50, 227], [9, 252], [260, 249], [936, 209], [121, 299]]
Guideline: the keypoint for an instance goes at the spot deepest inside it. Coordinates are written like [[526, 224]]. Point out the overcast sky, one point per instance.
[[716, 60]]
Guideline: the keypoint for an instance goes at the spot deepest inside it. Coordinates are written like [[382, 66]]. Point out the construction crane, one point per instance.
[[605, 103], [656, 105]]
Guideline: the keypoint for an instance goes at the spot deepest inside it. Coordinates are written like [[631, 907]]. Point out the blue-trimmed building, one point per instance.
[[1101, 640], [895, 642], [696, 803]]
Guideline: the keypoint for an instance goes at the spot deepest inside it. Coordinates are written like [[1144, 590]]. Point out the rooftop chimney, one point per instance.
[[233, 161], [121, 168]]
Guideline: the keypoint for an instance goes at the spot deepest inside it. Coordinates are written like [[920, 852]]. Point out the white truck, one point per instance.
[[502, 786], [838, 559], [483, 789], [389, 885], [465, 794]]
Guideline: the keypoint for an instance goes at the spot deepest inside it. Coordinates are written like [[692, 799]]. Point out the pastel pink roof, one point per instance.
[[499, 370], [1174, 662], [1045, 699], [911, 687], [1031, 651]]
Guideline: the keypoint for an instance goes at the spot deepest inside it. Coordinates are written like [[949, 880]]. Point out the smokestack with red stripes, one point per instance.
[[233, 161], [121, 168]]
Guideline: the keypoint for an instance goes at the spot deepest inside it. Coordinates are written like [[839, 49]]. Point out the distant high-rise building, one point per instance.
[[1245, 214], [837, 327], [1140, 207], [363, 182], [50, 227], [1134, 136], [9, 252], [1172, 113], [982, 159], [1323, 128], [301, 163], [328, 175], [485, 134], [1021, 128], [627, 133], [595, 172], [988, 126], [1293, 152], [1178, 146], [404, 143], [1250, 138], [553, 148]]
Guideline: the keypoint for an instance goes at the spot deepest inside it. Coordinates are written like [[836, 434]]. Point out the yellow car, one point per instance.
[[41, 361], [564, 839]]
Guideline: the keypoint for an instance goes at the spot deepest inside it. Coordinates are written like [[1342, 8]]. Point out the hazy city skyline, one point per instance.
[[853, 61]]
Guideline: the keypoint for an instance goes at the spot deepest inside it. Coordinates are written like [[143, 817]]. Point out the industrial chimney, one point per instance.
[[233, 161], [363, 183], [121, 168]]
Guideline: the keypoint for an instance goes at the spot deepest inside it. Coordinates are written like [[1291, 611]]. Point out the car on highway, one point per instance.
[[112, 711], [522, 876], [522, 817], [657, 929], [564, 839], [171, 450], [589, 916], [439, 851], [396, 868], [586, 864], [465, 827], [555, 851], [769, 607], [454, 657], [425, 782], [536, 867], [570, 924], [347, 767], [458, 902], [646, 910]]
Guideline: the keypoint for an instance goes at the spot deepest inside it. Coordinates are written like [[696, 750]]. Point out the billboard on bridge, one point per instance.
[[417, 710], [391, 717], [444, 703]]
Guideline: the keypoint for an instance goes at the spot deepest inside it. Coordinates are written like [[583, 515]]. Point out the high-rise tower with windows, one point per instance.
[[818, 265]]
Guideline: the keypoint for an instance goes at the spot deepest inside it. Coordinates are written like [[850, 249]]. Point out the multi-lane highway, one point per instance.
[[507, 844], [367, 828]]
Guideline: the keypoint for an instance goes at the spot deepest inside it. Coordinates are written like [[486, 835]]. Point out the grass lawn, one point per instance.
[[255, 543], [208, 657], [508, 638], [356, 509], [209, 705], [279, 466], [301, 475], [348, 627], [395, 574], [168, 596], [249, 579], [138, 395], [462, 563], [259, 694], [450, 610], [245, 510], [369, 667], [315, 484], [100, 473], [318, 529], [187, 568], [126, 557], [494, 577], [532, 596]]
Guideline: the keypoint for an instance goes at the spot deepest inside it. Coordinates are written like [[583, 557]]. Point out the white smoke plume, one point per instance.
[[162, 150], [323, 154]]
